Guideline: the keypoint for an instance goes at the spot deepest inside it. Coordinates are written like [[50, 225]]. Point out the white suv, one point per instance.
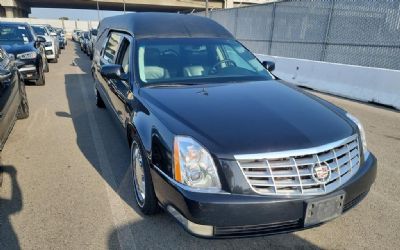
[[51, 44]]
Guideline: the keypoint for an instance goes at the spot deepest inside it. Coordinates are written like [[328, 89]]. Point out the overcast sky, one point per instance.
[[48, 13]]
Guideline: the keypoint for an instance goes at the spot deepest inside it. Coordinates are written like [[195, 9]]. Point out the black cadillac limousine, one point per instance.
[[219, 142]]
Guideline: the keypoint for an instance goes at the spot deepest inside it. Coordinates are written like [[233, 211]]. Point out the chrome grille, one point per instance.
[[291, 172]]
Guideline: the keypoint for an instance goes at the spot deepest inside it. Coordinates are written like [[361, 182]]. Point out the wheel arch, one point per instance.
[[156, 146]]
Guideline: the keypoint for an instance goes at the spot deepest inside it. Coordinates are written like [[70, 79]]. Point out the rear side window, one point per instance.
[[111, 48], [124, 52]]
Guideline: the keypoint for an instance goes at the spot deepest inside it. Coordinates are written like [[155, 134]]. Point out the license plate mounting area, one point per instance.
[[320, 210]]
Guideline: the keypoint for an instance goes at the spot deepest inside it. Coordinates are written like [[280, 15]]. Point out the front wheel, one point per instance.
[[99, 100], [23, 109], [142, 183], [47, 68], [42, 80]]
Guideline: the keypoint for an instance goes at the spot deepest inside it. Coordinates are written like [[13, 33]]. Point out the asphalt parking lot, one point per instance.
[[67, 185]]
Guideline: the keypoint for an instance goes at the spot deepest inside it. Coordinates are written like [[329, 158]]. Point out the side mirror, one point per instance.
[[39, 40], [113, 71], [270, 66], [5, 75]]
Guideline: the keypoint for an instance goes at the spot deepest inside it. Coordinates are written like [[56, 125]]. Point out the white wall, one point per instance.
[[355, 82], [68, 25]]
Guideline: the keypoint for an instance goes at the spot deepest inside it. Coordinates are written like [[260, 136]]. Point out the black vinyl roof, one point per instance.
[[165, 25]]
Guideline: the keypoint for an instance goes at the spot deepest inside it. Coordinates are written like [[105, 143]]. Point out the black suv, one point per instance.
[[13, 101], [225, 147], [20, 40]]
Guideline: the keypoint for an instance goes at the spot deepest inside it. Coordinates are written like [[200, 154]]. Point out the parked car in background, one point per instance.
[[62, 34], [220, 143], [84, 41], [75, 35], [92, 42], [61, 38], [56, 37], [20, 40], [50, 45], [13, 101]]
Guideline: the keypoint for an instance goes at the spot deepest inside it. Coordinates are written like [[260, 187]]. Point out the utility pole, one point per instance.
[[124, 7], [206, 8], [98, 10]]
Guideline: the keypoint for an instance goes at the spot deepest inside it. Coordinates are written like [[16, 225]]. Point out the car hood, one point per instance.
[[250, 117], [16, 49]]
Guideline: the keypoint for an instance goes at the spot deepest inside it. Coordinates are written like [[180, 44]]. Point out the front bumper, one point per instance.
[[50, 53], [29, 72], [236, 215]]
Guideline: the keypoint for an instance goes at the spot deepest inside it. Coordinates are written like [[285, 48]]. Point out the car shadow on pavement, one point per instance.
[[155, 232], [8, 206], [109, 135], [162, 232]]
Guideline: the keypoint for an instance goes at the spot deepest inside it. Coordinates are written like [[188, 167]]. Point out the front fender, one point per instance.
[[156, 139]]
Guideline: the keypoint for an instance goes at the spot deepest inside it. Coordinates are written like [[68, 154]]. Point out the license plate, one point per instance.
[[323, 209]]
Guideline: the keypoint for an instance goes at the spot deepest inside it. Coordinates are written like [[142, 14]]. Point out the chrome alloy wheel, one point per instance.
[[138, 174]]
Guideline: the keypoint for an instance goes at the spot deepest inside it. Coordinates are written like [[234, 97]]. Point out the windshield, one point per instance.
[[194, 60], [94, 32], [86, 35], [15, 34], [40, 31]]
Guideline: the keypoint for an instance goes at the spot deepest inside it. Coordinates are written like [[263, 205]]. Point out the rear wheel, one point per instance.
[[142, 183], [23, 109]]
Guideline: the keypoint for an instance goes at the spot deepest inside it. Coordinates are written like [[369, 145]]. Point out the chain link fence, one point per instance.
[[362, 32]]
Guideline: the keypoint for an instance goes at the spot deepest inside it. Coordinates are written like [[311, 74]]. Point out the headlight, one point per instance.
[[194, 166], [28, 55], [362, 134], [48, 44]]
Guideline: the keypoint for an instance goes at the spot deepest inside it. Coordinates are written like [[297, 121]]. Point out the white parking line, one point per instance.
[[125, 236]]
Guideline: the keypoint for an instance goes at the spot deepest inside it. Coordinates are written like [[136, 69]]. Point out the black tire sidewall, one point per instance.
[[42, 80], [99, 100], [150, 204]]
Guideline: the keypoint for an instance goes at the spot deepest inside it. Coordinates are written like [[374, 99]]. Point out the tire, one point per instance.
[[99, 100], [47, 68], [145, 198], [55, 60], [42, 80], [1, 173], [23, 109]]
